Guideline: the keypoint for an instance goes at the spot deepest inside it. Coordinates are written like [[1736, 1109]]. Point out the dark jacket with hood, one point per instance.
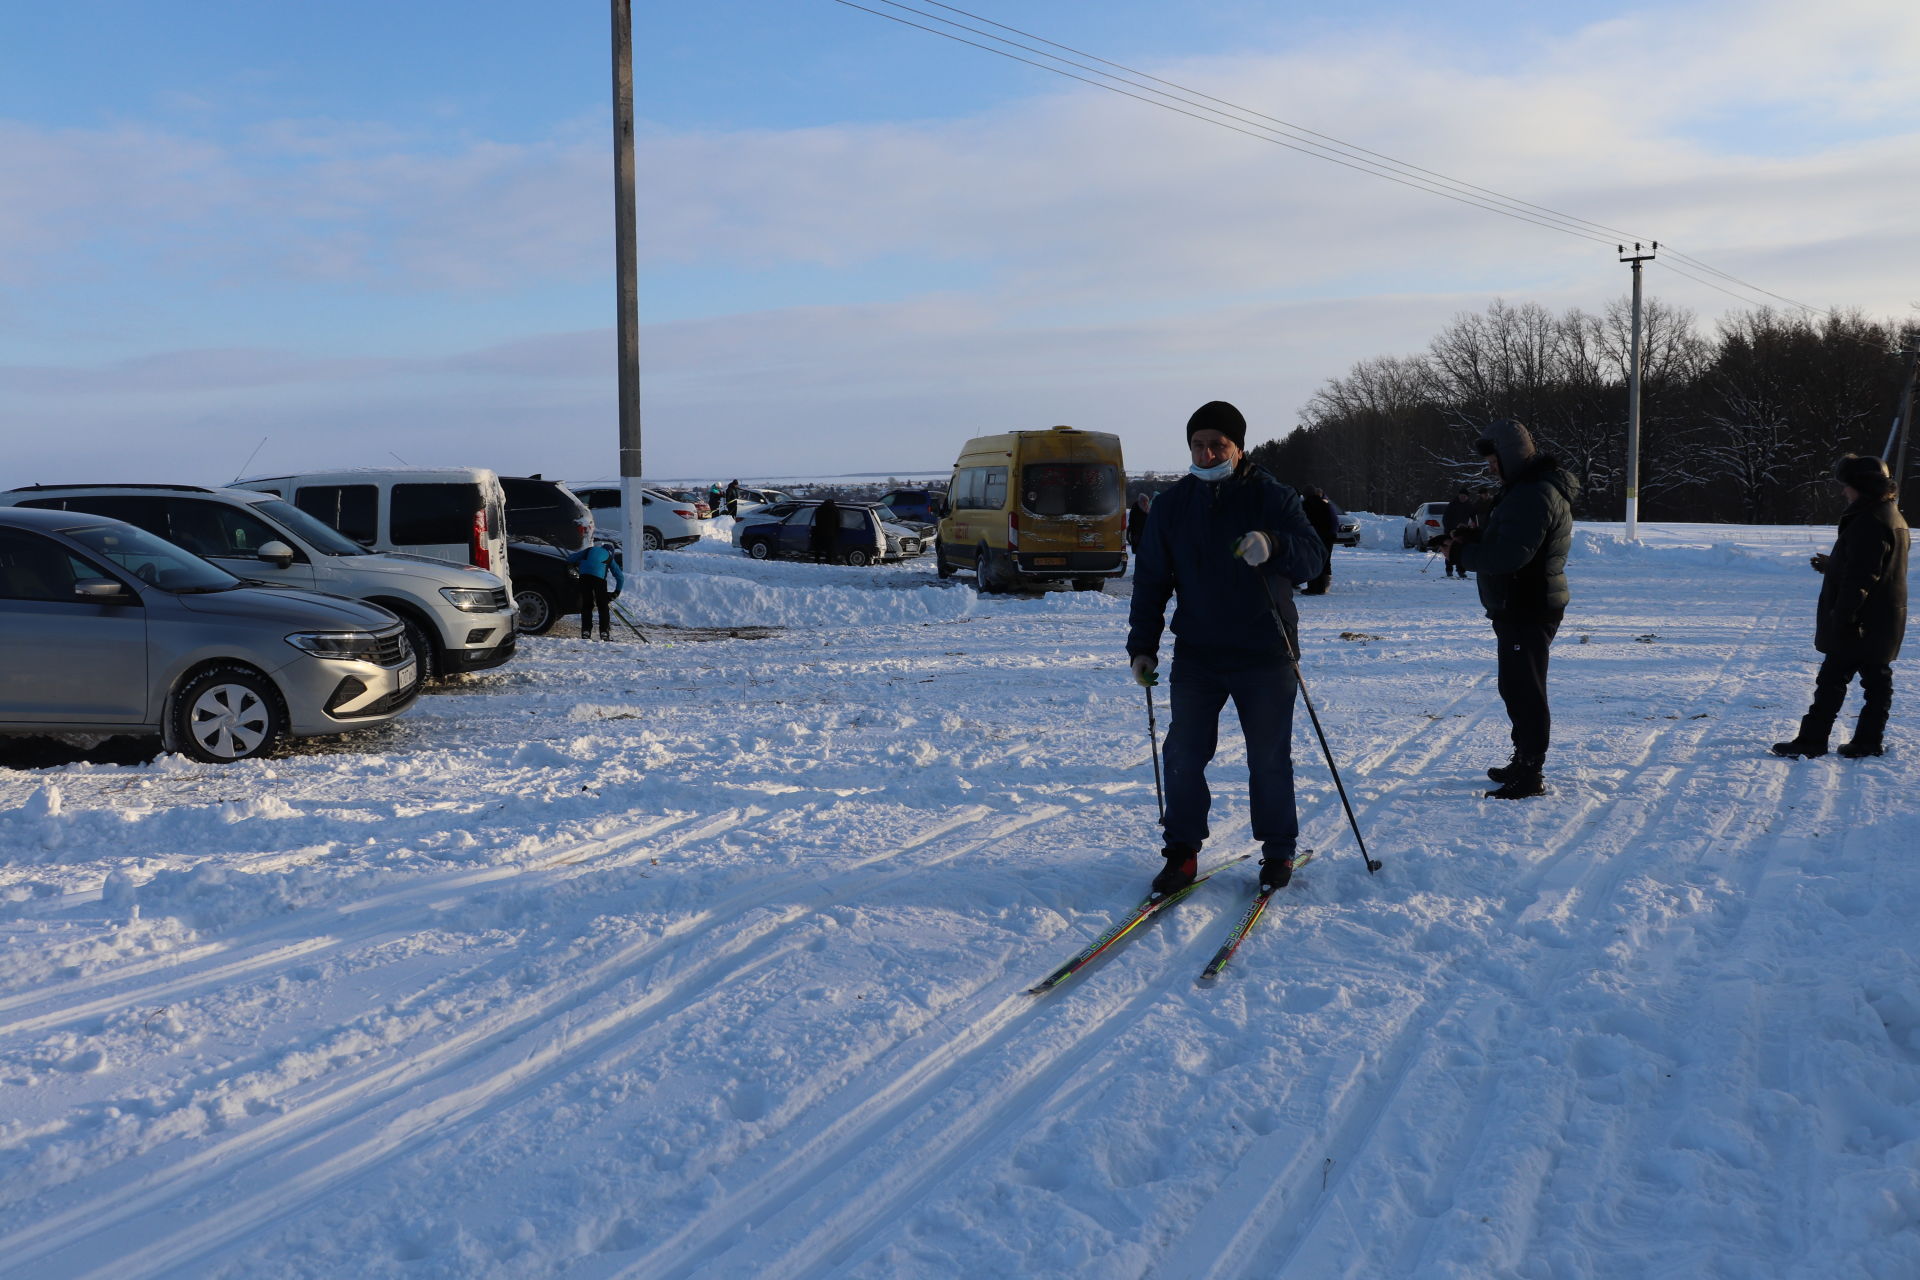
[[1222, 609], [1863, 601], [1520, 561]]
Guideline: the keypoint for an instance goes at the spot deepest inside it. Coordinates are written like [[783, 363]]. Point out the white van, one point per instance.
[[457, 619], [446, 513]]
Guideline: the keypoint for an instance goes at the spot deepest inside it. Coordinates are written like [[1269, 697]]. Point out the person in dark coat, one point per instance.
[[1201, 537], [1521, 562], [1320, 515], [1137, 522], [1862, 615], [732, 498], [824, 540], [1459, 515]]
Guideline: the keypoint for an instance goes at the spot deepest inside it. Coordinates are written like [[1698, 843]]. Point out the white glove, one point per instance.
[[1256, 548], [1145, 670]]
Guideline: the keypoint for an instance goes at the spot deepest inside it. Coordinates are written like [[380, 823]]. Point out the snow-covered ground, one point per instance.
[[706, 957]]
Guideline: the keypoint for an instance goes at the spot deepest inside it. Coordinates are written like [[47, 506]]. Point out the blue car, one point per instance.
[[910, 504]]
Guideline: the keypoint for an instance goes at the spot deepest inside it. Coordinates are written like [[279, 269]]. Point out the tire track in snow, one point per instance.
[[493, 1052]]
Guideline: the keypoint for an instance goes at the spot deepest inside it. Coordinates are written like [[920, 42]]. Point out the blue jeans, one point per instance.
[[1262, 693]]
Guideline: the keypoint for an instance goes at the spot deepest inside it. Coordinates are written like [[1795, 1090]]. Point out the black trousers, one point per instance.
[[1830, 693], [594, 593], [1318, 586], [1523, 644]]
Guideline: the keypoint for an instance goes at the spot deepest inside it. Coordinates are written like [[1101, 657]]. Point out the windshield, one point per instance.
[[1071, 488], [317, 534], [154, 561]]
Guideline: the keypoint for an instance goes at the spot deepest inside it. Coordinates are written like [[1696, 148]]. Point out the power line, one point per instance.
[[1332, 149], [1359, 166]]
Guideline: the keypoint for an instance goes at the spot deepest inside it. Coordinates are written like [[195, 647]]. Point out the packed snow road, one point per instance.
[[706, 958]]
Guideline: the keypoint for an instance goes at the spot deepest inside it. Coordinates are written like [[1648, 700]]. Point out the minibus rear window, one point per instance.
[[1071, 489]]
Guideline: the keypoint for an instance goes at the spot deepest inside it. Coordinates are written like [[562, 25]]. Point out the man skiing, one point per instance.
[[1201, 536], [1862, 614], [596, 566], [1520, 560]]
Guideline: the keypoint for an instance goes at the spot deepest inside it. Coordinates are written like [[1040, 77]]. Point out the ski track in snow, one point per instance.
[[708, 960]]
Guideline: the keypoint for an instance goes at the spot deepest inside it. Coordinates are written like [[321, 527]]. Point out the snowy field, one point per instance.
[[706, 957]]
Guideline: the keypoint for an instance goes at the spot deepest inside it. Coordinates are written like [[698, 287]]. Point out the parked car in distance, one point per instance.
[[668, 522], [546, 588], [1026, 508], [915, 505], [1347, 530], [785, 531], [753, 499], [1423, 526], [541, 510], [450, 513], [106, 629], [457, 618]]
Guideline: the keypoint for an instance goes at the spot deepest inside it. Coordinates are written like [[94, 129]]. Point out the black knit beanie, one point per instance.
[[1218, 415], [1866, 476]]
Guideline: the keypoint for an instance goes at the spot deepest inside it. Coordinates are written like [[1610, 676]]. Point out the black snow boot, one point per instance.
[[1860, 746], [1183, 863], [606, 635], [1797, 747], [1276, 868], [1523, 781], [1519, 766]]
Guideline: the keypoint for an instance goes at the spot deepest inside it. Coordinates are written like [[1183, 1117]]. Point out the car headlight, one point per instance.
[[469, 599], [337, 644]]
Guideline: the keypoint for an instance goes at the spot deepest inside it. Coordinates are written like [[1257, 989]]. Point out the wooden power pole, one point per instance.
[[1633, 394]]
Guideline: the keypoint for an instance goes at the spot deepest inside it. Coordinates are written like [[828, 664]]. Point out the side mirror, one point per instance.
[[102, 589], [277, 553]]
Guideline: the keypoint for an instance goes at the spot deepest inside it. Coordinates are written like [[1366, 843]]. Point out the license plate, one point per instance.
[[405, 674], [1050, 560]]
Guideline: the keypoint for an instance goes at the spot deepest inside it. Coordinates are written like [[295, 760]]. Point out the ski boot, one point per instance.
[[1276, 867], [1183, 863]]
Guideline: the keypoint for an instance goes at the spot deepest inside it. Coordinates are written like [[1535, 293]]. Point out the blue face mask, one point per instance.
[[1219, 471]]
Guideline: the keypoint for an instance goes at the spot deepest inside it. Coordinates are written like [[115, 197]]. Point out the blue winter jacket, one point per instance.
[[1187, 551], [596, 561]]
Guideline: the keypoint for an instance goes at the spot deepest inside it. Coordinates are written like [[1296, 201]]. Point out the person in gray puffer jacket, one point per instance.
[[1520, 565]]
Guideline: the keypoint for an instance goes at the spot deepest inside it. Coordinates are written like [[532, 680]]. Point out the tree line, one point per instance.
[[1741, 424]]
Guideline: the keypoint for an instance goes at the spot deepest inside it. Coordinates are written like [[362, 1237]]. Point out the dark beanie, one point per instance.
[[1511, 443], [1218, 415], [1868, 476]]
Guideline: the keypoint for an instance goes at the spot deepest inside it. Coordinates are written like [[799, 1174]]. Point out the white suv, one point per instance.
[[457, 619]]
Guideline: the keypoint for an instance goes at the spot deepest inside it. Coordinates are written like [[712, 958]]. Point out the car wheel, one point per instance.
[[537, 609], [940, 565], [858, 558], [1406, 539], [227, 713], [652, 541], [420, 640], [759, 548]]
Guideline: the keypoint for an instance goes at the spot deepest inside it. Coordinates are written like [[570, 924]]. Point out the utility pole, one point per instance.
[[1898, 438], [1633, 394], [627, 325]]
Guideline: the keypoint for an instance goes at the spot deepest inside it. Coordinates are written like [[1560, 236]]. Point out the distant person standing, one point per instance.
[[1459, 515], [733, 498], [824, 540], [1320, 513], [1521, 562], [597, 566], [1862, 615], [1137, 522]]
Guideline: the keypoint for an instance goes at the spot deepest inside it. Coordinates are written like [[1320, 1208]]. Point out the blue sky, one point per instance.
[[358, 228]]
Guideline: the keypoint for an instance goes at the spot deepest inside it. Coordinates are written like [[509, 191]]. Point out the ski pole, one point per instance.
[[1429, 564], [1293, 657], [1153, 739]]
